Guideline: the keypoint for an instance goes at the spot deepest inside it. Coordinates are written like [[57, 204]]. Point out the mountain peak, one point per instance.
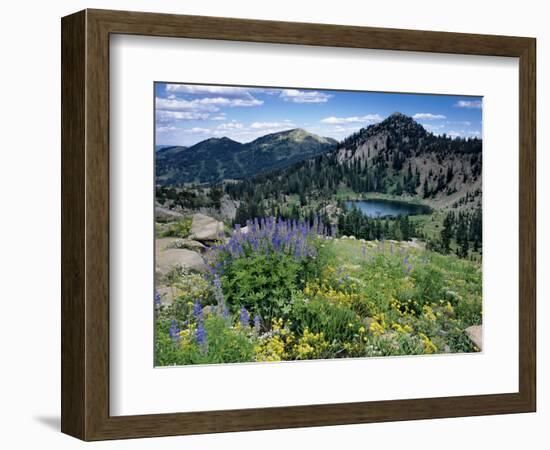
[[399, 117], [219, 140], [399, 122], [299, 135]]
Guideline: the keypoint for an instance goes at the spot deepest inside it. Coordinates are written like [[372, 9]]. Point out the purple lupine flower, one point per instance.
[[298, 250], [257, 323], [267, 235], [218, 294], [364, 251], [225, 312], [244, 317], [406, 260], [276, 242], [197, 309], [157, 299], [201, 336], [174, 331]]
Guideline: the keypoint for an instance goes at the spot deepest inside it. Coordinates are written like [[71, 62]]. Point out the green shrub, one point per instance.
[[468, 311], [429, 282], [224, 344], [180, 229], [263, 284]]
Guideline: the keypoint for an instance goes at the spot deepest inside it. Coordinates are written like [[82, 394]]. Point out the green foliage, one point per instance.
[[224, 345], [429, 283], [338, 323], [180, 229], [262, 284]]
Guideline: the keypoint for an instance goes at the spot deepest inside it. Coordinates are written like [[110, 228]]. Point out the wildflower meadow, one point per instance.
[[283, 290]]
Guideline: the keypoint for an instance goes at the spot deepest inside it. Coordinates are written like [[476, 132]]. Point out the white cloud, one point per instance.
[[354, 119], [168, 129], [246, 133], [457, 133], [210, 104], [242, 102], [197, 130], [167, 116], [176, 104], [264, 125], [428, 116], [297, 96], [221, 116], [230, 126], [432, 128], [202, 90], [462, 122], [472, 104], [340, 129]]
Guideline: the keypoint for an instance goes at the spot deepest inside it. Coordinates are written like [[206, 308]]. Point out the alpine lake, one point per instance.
[[380, 208]]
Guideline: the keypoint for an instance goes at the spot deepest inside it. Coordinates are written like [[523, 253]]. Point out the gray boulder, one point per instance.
[[205, 228], [172, 257], [188, 244], [475, 333], [163, 214]]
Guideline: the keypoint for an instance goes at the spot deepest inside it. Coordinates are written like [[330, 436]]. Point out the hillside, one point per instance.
[[165, 151], [396, 157], [217, 159]]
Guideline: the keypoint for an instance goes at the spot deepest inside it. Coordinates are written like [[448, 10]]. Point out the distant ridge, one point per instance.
[[217, 159]]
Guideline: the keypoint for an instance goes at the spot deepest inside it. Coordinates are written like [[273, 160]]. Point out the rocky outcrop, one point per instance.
[[163, 214], [205, 228], [475, 333], [173, 257], [188, 244], [166, 257]]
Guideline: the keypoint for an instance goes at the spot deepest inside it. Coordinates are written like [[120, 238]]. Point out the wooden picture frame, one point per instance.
[[85, 224]]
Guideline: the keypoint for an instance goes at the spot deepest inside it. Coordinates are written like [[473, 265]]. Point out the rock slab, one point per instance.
[[475, 333], [205, 228], [167, 257]]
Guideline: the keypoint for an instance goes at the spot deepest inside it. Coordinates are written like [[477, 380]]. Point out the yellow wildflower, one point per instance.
[[429, 346], [376, 328], [429, 313]]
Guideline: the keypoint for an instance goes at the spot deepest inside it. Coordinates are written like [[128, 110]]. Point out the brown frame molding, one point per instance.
[[85, 224]]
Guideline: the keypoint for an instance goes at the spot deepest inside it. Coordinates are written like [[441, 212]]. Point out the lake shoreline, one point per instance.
[[386, 208]]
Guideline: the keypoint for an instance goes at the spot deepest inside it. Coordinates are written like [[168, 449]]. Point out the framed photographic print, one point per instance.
[[270, 224]]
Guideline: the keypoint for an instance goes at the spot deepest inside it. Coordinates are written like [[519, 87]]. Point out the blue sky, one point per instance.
[[189, 113]]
